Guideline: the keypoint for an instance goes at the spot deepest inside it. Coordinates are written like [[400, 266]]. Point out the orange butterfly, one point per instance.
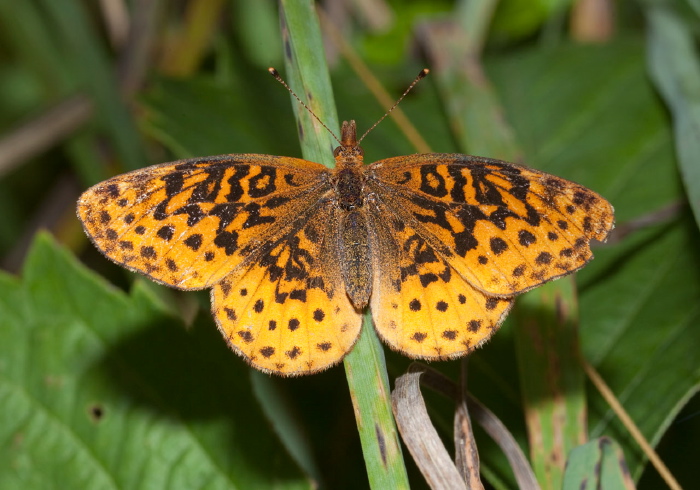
[[436, 244]]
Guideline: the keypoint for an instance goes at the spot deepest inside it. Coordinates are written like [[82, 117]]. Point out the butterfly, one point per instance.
[[437, 245]]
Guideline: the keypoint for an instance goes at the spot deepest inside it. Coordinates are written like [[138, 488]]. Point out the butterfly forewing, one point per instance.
[[504, 228], [190, 223]]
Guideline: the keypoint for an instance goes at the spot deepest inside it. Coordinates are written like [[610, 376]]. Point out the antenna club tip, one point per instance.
[[424, 72], [273, 72]]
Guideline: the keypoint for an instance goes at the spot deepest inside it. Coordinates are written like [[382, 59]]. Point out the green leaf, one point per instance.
[[104, 389], [589, 114], [597, 464]]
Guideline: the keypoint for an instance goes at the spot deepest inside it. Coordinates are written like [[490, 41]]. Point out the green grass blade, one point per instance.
[[308, 76], [551, 379], [368, 380]]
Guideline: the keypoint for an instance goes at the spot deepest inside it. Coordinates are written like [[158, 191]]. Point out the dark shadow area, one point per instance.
[[190, 376], [678, 448]]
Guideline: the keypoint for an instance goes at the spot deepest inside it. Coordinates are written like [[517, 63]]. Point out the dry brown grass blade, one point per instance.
[[420, 436], [487, 420], [466, 451], [37, 135]]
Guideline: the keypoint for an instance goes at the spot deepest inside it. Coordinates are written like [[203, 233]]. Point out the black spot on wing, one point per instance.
[[193, 241], [166, 232], [498, 245], [526, 238], [148, 252]]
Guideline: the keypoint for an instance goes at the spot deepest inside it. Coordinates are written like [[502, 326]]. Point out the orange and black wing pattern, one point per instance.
[[503, 227], [288, 312], [456, 237], [190, 223]]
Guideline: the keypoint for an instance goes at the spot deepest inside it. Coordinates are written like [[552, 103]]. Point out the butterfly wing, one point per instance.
[[189, 223], [502, 227], [420, 305], [289, 312]]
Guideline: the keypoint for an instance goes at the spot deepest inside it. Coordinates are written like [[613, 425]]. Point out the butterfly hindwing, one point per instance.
[[190, 223], [506, 228], [288, 312], [420, 305]]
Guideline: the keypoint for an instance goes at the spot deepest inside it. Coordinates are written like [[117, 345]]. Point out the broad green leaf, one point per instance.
[[589, 114], [102, 389]]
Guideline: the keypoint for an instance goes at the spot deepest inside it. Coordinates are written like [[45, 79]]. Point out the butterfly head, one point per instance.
[[349, 153]]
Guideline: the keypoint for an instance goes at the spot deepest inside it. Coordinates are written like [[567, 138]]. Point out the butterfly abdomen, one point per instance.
[[354, 257], [353, 242]]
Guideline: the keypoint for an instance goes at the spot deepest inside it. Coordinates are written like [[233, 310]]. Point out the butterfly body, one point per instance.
[[437, 245]]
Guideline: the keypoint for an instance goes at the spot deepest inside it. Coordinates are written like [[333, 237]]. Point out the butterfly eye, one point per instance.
[[350, 151]]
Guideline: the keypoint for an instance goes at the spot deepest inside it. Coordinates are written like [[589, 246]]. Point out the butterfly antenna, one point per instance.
[[278, 77], [424, 72]]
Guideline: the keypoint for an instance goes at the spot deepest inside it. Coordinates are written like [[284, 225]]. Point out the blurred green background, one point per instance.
[[109, 381]]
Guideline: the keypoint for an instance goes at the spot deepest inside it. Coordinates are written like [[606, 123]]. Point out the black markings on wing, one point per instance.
[[420, 305], [292, 313]]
